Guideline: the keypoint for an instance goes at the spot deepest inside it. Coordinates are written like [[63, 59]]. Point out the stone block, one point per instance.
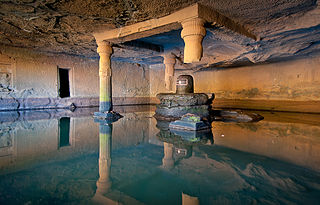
[[175, 100], [177, 112], [188, 125]]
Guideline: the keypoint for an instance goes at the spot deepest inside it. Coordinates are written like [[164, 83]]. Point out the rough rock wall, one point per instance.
[[36, 74], [29, 79], [292, 80], [284, 86], [157, 80], [130, 80]]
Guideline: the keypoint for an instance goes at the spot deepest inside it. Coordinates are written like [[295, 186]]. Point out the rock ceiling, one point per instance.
[[287, 28]]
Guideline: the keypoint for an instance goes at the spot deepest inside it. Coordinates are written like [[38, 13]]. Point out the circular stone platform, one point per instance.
[[172, 106]]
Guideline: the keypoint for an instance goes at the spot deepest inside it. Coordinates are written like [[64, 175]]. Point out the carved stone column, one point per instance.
[[105, 99], [169, 62], [192, 33]]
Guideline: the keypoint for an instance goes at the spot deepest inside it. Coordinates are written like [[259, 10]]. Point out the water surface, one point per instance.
[[63, 157]]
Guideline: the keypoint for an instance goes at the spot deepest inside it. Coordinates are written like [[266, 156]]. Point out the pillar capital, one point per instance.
[[104, 47], [192, 33], [105, 50], [194, 26]]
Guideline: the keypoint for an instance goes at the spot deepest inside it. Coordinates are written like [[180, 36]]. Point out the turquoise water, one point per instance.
[[60, 157]]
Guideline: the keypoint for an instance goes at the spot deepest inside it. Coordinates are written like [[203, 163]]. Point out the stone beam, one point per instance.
[[168, 23], [142, 45]]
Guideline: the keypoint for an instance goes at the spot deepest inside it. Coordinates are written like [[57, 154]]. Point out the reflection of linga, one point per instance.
[[177, 144], [177, 147], [185, 137], [173, 105]]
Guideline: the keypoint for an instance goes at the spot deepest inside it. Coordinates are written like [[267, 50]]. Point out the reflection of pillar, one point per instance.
[[167, 161], [189, 200], [192, 33], [169, 60], [105, 136], [105, 100]]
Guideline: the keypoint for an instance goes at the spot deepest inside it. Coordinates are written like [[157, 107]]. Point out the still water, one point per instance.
[[64, 157]]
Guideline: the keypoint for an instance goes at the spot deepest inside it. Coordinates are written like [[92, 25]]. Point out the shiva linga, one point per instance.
[[174, 105]]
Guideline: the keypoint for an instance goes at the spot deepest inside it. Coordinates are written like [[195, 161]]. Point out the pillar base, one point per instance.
[[106, 116]]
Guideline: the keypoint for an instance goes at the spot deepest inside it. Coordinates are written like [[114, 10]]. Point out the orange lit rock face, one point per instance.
[[291, 80]]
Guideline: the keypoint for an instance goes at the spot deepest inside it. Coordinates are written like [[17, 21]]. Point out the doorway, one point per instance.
[[64, 85]]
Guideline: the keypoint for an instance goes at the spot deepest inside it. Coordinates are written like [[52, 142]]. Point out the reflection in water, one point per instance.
[[189, 200], [105, 144], [178, 144], [105, 137], [64, 132], [272, 161], [167, 161]]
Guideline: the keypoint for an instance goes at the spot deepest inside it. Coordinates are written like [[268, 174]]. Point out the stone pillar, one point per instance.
[[192, 33], [167, 161], [105, 100], [105, 138], [169, 61]]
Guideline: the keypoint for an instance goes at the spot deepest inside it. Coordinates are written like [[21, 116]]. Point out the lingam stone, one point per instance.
[[184, 84], [174, 105]]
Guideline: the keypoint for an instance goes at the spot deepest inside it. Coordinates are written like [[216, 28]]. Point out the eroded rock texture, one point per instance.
[[66, 26], [286, 28]]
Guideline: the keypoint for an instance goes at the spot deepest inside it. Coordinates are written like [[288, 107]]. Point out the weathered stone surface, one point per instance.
[[45, 103], [66, 26], [106, 117], [193, 126], [29, 80], [175, 100], [236, 116], [189, 122], [5, 82], [177, 112]]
